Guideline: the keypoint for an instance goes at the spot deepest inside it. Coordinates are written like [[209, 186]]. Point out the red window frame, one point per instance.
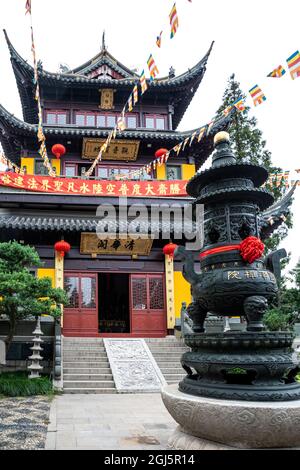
[[155, 117], [57, 112], [86, 114]]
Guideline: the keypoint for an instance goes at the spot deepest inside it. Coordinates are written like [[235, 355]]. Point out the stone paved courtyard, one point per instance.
[[23, 423], [122, 422]]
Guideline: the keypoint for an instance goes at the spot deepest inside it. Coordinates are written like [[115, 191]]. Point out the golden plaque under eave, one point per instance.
[[123, 150], [91, 244]]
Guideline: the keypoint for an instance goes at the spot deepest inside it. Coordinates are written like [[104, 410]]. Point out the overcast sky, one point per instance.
[[251, 38]]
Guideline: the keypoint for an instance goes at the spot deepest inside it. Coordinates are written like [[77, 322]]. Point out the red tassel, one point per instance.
[[252, 248]]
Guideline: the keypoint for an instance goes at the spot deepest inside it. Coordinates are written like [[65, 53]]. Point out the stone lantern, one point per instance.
[[36, 357]]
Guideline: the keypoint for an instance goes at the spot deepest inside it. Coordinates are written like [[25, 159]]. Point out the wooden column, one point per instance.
[[169, 272], [59, 276]]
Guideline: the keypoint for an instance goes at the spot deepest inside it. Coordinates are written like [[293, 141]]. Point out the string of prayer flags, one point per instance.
[[95, 163], [143, 82], [152, 68], [277, 73], [28, 7], [40, 131], [257, 95], [158, 39], [294, 65], [135, 95], [174, 22], [10, 165]]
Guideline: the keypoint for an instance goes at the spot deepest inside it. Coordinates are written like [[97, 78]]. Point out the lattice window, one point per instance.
[[156, 290], [139, 293]]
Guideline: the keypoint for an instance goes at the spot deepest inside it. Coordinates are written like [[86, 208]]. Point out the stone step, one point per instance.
[[86, 364], [68, 339], [84, 377], [172, 364], [79, 357], [80, 349], [85, 391], [88, 384], [165, 357], [172, 370], [87, 370]]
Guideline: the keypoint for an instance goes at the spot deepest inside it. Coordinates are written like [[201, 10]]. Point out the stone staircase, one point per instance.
[[85, 366], [167, 353]]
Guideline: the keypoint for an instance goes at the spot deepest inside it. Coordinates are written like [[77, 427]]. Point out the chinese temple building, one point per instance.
[[117, 287]]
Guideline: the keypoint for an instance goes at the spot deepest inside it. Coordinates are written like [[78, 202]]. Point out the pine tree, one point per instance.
[[249, 146], [22, 295]]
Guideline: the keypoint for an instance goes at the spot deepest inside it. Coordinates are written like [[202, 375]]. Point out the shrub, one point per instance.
[[276, 320], [18, 384]]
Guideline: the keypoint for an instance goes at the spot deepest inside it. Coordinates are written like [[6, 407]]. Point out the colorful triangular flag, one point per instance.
[[135, 95], [143, 82], [130, 104], [174, 22], [294, 65], [152, 68], [257, 95], [158, 39], [28, 7], [277, 73], [201, 133], [239, 104]]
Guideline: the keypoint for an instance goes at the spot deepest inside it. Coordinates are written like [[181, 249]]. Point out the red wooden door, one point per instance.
[[148, 312], [81, 315]]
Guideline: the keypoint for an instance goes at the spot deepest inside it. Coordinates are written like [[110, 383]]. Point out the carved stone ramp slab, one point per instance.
[[133, 367]]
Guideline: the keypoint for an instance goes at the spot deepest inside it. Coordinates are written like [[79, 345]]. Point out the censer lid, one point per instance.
[[225, 166]]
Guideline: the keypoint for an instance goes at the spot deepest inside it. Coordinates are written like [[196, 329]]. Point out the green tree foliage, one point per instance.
[[22, 294], [287, 313], [249, 146]]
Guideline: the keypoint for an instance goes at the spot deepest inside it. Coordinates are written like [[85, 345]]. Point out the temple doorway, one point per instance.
[[113, 303]]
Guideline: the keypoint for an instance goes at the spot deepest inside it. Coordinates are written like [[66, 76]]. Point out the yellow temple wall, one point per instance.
[[29, 164], [161, 172], [188, 171], [182, 292], [56, 163], [47, 273]]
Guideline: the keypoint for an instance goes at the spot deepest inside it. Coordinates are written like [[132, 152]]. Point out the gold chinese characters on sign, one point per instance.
[[124, 150], [91, 244], [107, 98]]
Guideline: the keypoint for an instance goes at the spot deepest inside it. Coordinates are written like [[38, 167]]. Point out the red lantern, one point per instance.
[[169, 249], [58, 150], [62, 247], [160, 153]]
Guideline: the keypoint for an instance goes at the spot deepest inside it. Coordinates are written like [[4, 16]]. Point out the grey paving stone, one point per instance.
[[110, 422]]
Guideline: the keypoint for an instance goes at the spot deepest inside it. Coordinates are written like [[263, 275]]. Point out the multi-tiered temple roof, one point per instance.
[[84, 82], [102, 71]]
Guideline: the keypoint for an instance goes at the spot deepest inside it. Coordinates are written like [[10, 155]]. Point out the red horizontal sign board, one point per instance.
[[47, 184]]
